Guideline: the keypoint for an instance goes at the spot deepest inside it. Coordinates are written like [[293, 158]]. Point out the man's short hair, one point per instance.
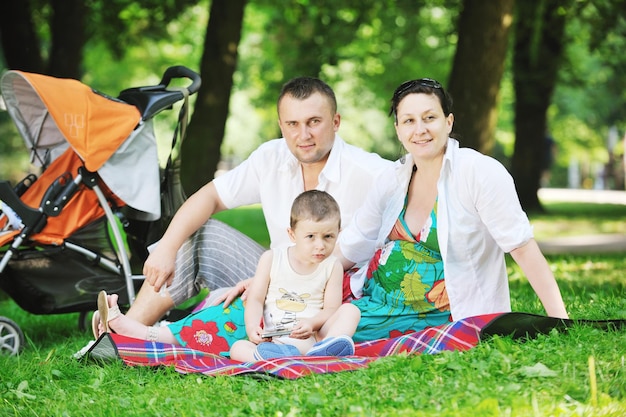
[[302, 88]]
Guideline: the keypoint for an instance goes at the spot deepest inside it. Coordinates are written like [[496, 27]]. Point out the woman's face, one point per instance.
[[422, 126]]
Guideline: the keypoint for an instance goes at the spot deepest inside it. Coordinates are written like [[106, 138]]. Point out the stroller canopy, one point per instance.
[[107, 134]]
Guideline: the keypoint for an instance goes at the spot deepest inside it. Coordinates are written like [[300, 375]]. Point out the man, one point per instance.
[[197, 251]]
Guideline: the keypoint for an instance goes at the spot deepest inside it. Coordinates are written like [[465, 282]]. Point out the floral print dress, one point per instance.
[[405, 288]]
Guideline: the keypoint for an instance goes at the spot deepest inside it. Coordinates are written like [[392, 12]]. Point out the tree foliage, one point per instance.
[[362, 48], [589, 102]]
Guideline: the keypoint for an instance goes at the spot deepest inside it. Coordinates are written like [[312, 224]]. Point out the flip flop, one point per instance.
[[107, 313]]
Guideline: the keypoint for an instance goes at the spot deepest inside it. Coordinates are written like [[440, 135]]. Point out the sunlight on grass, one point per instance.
[[571, 219]]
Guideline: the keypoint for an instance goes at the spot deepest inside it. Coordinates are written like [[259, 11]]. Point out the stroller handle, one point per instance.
[[151, 100], [180, 71]]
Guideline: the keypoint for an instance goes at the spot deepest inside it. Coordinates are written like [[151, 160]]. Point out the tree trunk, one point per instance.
[[201, 149], [21, 46], [537, 56], [19, 40], [477, 70], [68, 38]]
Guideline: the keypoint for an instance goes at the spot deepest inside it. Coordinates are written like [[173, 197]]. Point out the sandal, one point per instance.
[[95, 321], [105, 312]]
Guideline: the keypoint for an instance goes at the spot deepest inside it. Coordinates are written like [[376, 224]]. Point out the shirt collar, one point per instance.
[[332, 170], [406, 162], [290, 164], [448, 157]]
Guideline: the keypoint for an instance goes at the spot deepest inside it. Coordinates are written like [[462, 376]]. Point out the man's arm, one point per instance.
[[197, 209]]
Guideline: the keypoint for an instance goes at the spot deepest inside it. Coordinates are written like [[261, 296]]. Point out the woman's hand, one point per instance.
[[228, 297]]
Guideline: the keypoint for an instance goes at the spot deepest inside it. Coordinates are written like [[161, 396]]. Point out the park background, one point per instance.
[[517, 69]]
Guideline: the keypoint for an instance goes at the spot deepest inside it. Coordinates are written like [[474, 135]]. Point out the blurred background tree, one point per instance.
[[364, 49]]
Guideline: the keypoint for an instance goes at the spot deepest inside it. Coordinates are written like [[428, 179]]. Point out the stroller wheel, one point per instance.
[[11, 337]]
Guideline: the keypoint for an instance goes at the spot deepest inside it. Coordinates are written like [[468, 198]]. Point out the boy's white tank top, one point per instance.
[[292, 296]]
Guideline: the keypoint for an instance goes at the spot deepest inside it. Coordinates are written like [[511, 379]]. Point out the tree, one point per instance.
[[483, 30], [201, 150], [537, 55], [588, 111], [22, 47], [49, 36]]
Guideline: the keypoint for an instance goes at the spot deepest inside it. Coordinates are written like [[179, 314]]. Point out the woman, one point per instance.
[[433, 231], [436, 227]]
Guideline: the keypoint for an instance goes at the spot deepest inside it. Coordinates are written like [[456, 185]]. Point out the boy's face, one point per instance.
[[315, 241]]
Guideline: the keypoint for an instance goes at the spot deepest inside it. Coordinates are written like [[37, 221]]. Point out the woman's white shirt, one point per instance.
[[479, 218]]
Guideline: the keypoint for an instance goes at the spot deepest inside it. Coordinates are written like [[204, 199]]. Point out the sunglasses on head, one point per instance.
[[424, 82]]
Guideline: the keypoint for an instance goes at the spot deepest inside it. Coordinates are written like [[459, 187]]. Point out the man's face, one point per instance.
[[308, 127]]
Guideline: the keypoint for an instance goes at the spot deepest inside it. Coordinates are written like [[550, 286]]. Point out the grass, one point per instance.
[[578, 373], [250, 219], [569, 219]]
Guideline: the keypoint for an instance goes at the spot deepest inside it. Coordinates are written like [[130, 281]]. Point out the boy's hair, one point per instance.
[[302, 88], [314, 205]]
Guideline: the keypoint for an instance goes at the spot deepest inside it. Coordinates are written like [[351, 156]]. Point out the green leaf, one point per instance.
[[538, 370]]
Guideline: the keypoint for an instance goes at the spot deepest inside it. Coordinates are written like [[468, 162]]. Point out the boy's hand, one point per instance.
[[302, 330], [255, 336]]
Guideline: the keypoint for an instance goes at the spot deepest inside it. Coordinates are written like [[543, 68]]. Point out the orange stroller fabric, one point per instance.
[[82, 209], [94, 125]]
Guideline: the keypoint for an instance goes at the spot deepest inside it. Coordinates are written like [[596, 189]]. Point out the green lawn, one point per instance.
[[570, 219], [578, 373]]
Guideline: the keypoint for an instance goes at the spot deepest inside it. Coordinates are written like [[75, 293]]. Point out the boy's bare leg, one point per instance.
[[149, 306], [343, 322], [243, 350]]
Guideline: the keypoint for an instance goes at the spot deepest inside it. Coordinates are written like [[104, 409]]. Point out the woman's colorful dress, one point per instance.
[[405, 289]]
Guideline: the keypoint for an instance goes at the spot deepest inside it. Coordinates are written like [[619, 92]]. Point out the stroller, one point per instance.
[[101, 199]]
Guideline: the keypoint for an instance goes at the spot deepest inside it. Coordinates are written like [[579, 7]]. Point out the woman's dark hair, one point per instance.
[[420, 86]]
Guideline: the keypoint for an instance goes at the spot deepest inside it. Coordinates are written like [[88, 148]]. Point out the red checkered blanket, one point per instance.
[[459, 335]]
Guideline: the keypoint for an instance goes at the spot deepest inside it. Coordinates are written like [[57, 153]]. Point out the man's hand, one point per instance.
[[238, 290], [159, 269]]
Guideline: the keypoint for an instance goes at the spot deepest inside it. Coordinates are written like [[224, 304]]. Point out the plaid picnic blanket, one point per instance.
[[459, 335]]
